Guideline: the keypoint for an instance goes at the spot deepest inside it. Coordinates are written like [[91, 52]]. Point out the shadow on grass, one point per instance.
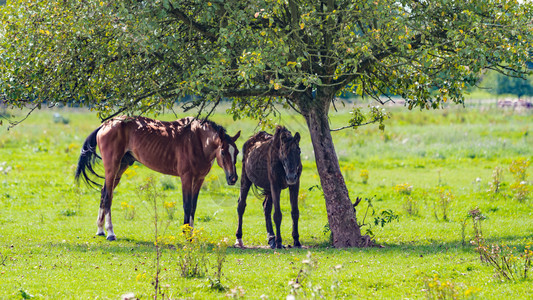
[[432, 247], [98, 244], [141, 247]]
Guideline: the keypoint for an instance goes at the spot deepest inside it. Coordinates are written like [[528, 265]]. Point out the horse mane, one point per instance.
[[215, 126], [219, 129], [282, 133]]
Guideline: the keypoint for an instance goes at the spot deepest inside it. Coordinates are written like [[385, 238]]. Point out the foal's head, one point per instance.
[[289, 154], [227, 155]]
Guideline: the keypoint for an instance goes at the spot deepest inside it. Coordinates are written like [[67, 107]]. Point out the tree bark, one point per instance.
[[341, 213]]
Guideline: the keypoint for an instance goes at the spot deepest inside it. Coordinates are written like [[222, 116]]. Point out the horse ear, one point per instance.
[[234, 138], [297, 137]]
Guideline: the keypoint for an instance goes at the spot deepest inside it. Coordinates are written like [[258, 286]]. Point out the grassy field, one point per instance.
[[429, 168]]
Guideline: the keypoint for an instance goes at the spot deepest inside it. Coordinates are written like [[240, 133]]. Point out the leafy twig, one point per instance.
[[15, 123]]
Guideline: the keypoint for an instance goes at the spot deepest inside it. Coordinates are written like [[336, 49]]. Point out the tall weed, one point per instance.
[[445, 198], [520, 187], [192, 257], [496, 183], [505, 261], [410, 203], [220, 250], [438, 288], [302, 286], [151, 196]]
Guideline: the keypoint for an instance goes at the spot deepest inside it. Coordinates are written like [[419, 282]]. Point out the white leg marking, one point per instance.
[[109, 228], [191, 221], [239, 243], [100, 222]]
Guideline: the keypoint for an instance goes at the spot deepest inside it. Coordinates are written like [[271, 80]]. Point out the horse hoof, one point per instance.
[[111, 238], [239, 243], [100, 234], [272, 244]]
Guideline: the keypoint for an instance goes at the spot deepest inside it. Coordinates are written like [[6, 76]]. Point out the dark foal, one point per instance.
[[186, 148], [272, 163]]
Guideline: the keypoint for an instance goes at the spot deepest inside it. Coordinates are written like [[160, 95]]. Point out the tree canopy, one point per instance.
[[145, 54], [136, 56]]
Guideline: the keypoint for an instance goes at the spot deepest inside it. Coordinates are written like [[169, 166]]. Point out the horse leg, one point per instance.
[[186, 189], [197, 184], [245, 188], [113, 173], [100, 220], [275, 192], [104, 214], [267, 209], [295, 213]]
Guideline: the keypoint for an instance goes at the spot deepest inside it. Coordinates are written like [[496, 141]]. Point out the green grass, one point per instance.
[[47, 223]]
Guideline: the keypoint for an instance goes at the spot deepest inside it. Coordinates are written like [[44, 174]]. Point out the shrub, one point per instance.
[[519, 169], [496, 182], [220, 251], [437, 288], [192, 257], [506, 264], [129, 210], [385, 216], [403, 189], [520, 188], [364, 176], [411, 206], [170, 208], [443, 202], [168, 183]]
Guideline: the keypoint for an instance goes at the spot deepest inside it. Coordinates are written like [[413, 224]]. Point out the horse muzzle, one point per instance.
[[231, 178], [291, 178]]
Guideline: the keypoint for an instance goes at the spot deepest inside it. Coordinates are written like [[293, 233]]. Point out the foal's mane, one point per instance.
[[282, 133]]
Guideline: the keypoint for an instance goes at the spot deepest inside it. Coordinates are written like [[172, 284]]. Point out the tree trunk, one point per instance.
[[341, 214]]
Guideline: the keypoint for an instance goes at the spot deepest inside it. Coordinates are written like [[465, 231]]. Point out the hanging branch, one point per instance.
[[15, 123], [210, 112], [377, 119]]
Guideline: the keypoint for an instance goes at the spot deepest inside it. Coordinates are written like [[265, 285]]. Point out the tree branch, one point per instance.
[[15, 123], [263, 92], [200, 28], [355, 125]]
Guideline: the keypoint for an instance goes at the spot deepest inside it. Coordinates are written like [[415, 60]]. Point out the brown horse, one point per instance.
[[272, 163], [184, 148]]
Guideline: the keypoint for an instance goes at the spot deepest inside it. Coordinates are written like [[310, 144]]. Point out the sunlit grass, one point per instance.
[[47, 222]]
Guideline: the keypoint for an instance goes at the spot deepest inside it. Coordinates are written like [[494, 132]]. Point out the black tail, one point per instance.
[[87, 160], [258, 192]]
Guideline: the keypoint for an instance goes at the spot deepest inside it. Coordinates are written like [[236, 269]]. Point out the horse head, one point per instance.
[[289, 154], [227, 156]]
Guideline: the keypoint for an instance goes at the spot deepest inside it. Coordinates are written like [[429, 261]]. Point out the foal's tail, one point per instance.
[[87, 160], [258, 192]]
